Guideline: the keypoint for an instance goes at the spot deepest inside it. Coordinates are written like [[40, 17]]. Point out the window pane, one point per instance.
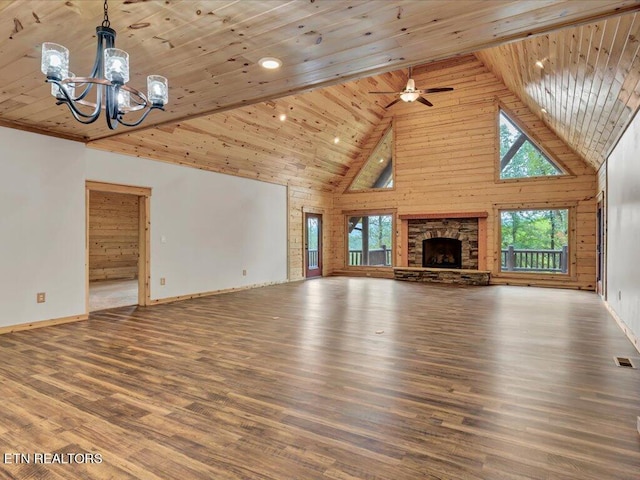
[[519, 156], [312, 233], [534, 241], [377, 172], [370, 240]]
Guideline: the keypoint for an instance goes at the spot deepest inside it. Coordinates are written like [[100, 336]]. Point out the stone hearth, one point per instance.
[[442, 275]]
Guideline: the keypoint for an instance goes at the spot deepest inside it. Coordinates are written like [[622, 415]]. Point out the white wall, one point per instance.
[[214, 226], [623, 218], [42, 231]]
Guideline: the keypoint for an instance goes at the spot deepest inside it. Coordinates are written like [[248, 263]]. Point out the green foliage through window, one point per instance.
[[369, 240], [535, 240], [519, 156]]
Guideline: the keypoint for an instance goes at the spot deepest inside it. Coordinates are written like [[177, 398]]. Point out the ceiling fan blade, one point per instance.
[[436, 90], [393, 103], [424, 101], [396, 93]]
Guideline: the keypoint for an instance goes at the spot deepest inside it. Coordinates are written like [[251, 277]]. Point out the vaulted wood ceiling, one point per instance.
[[587, 84], [224, 109]]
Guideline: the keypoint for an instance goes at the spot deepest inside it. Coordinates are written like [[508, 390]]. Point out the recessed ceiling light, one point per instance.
[[336, 140], [270, 63], [539, 64], [282, 117]]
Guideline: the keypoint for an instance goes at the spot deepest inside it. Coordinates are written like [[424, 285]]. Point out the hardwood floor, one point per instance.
[[337, 378], [105, 294]]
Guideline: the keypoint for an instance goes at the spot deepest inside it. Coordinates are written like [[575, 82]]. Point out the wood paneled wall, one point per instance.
[[446, 161], [113, 236], [303, 200]]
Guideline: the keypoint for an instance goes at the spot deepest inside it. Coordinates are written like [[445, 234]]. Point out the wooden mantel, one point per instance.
[[424, 216], [403, 258]]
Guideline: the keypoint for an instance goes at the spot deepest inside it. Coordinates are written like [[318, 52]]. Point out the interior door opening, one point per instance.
[[117, 246]]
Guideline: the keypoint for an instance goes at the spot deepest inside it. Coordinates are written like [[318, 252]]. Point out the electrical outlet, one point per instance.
[[244, 273], [163, 281], [40, 297]]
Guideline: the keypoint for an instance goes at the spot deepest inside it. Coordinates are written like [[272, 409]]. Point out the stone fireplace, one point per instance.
[[449, 243], [444, 248]]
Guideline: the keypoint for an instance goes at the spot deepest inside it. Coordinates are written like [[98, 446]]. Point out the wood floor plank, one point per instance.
[[336, 378]]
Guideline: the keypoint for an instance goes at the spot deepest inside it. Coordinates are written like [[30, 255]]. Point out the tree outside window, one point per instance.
[[534, 240], [370, 240], [519, 156]]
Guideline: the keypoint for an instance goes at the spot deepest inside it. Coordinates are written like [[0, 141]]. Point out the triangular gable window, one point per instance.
[[377, 172], [519, 156]]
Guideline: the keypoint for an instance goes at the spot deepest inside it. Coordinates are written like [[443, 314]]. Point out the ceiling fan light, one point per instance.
[[158, 89], [116, 65], [55, 61], [409, 96]]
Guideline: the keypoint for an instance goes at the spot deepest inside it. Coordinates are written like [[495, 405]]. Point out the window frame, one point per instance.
[[566, 172], [370, 213], [389, 127], [572, 244]]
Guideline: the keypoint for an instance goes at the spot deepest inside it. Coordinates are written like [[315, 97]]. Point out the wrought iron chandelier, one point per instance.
[[109, 76]]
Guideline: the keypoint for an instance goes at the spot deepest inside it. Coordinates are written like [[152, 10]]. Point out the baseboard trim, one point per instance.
[[623, 326], [180, 298], [43, 323]]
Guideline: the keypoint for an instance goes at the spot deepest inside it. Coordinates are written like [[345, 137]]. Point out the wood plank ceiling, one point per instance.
[[209, 49], [253, 142], [586, 87], [224, 111]]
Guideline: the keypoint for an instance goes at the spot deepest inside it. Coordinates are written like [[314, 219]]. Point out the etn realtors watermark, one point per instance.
[[52, 458]]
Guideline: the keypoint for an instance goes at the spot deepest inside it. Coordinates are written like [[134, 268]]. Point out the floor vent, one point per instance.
[[624, 362]]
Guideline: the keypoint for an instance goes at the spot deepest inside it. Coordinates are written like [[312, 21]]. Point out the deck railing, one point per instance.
[[377, 258], [312, 260], [527, 260]]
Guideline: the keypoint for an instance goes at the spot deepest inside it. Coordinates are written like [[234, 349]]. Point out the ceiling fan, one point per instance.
[[411, 93]]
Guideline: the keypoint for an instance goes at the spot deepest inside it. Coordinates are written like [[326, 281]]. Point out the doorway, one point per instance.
[[600, 248], [312, 245], [117, 245]]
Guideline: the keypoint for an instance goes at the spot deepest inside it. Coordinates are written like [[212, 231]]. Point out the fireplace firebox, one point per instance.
[[441, 252]]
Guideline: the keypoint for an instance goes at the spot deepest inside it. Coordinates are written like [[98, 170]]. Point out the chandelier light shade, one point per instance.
[[157, 89], [116, 66], [106, 86], [71, 89], [55, 61]]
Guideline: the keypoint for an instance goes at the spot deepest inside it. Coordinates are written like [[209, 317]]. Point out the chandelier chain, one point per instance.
[[106, 22]]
